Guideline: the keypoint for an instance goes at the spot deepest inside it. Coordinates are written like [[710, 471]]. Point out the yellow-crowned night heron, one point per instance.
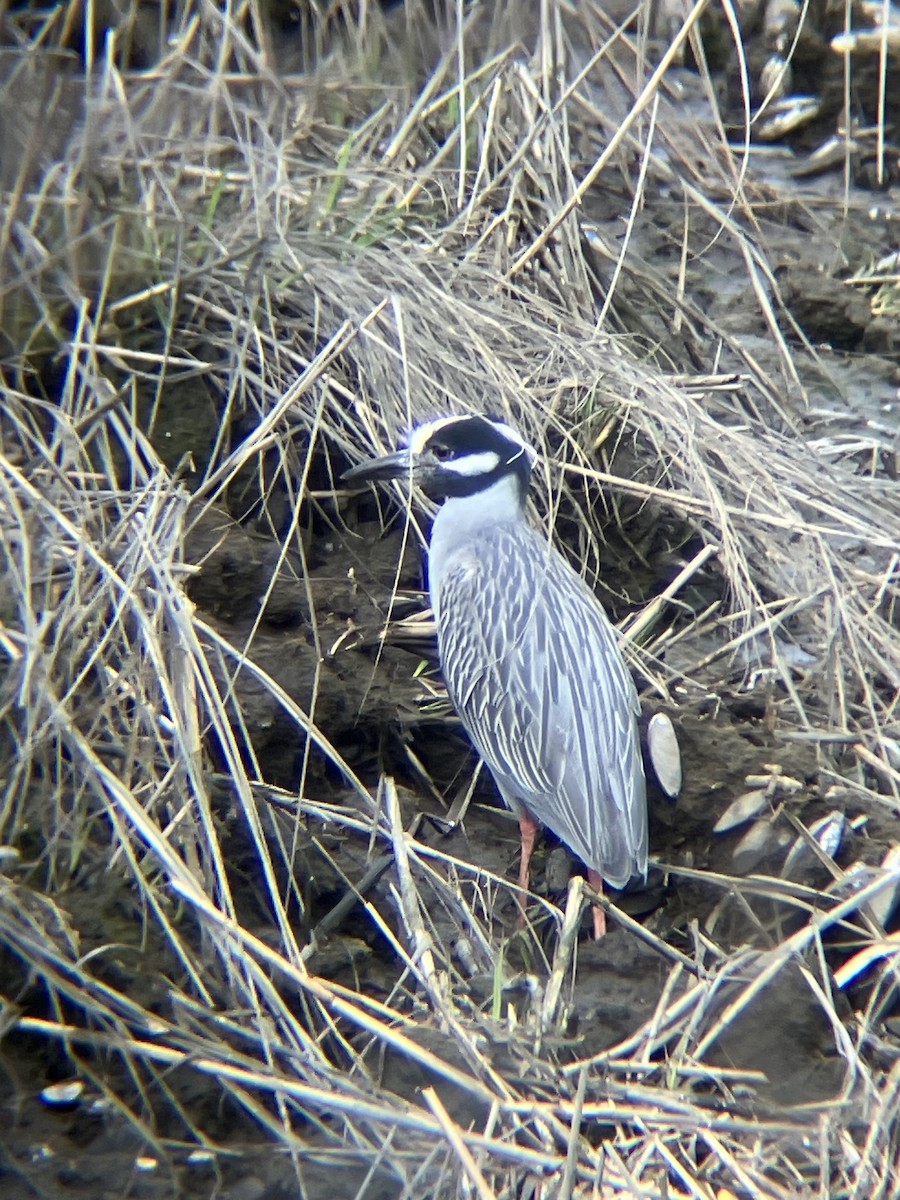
[[530, 658]]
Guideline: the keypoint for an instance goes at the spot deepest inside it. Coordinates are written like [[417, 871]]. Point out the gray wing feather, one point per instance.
[[534, 669]]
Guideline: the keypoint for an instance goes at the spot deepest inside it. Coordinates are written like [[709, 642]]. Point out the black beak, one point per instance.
[[398, 465]]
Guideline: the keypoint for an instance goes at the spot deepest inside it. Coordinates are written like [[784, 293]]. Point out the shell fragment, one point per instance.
[[665, 754]]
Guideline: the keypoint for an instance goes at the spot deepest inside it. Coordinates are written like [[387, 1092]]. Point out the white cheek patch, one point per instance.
[[420, 437], [473, 464]]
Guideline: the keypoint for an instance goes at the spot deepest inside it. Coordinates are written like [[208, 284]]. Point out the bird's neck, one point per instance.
[[461, 527], [503, 501]]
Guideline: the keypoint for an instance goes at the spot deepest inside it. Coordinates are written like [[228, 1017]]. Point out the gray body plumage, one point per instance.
[[534, 669], [530, 658]]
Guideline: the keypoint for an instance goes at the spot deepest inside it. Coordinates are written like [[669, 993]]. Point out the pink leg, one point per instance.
[[528, 830], [596, 882]]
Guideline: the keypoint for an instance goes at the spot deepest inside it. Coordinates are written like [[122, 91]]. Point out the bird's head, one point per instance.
[[454, 456]]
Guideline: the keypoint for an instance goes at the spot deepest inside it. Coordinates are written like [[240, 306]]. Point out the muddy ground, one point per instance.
[[728, 732], [382, 715]]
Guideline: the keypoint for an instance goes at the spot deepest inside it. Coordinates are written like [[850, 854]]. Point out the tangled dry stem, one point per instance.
[[331, 262]]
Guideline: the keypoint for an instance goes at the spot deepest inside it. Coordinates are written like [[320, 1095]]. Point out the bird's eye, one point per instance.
[[442, 453]]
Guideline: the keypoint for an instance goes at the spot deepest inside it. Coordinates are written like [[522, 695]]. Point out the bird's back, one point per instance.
[[534, 669]]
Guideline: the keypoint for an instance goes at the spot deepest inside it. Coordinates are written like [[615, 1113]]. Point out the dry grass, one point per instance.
[[326, 258]]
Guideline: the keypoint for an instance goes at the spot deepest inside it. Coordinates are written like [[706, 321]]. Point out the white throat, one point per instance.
[[500, 502], [462, 517]]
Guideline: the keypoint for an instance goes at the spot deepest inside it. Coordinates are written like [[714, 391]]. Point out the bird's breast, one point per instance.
[[462, 572]]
